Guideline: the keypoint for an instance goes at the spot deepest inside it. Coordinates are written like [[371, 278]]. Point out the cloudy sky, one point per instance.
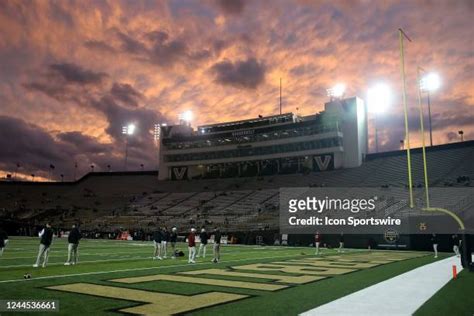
[[72, 73]]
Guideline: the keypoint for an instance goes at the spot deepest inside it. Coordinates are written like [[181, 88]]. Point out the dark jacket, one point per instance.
[[192, 240], [3, 237], [166, 236], [217, 237], [74, 236], [47, 237], [173, 237], [204, 237], [455, 240], [157, 236]]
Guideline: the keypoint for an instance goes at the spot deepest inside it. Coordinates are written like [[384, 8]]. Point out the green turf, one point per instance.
[[104, 260], [456, 298]]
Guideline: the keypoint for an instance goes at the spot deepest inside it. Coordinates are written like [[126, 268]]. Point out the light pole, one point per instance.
[[425, 168], [378, 99], [428, 83], [16, 170], [51, 168], [402, 36], [127, 131], [429, 118], [461, 133]]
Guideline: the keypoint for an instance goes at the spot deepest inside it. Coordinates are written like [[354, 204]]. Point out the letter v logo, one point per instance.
[[179, 172], [323, 165]]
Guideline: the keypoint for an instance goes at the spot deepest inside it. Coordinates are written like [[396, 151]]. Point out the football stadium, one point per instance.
[[234, 157], [233, 201]]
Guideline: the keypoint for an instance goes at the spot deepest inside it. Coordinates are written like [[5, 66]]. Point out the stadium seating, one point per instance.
[[109, 201]]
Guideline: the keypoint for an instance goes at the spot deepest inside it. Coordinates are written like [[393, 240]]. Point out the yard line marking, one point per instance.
[[99, 254], [134, 269], [92, 261], [228, 254]]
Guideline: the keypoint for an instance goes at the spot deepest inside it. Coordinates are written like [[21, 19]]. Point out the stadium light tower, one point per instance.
[[378, 100], [430, 82], [127, 131], [337, 91]]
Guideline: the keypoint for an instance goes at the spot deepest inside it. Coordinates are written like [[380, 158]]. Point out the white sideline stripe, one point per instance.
[[400, 295], [135, 269]]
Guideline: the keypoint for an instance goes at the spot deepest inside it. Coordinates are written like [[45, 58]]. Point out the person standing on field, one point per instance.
[[192, 245], [3, 241], [341, 243], [173, 240], [202, 247], [164, 242], [217, 245], [456, 242], [73, 247], [157, 239], [317, 241], [434, 241], [46, 236]]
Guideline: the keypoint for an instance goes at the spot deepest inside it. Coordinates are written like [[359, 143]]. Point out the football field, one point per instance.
[[115, 277]]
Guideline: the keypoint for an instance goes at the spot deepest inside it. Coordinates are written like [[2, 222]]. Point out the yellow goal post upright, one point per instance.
[[402, 36], [467, 247]]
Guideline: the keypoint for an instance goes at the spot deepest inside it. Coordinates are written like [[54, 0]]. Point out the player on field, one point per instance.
[[164, 242], [434, 241], [455, 241], [3, 241], [217, 245], [157, 239], [72, 250], [317, 241], [173, 239], [341, 243], [192, 245], [202, 247], [46, 236]]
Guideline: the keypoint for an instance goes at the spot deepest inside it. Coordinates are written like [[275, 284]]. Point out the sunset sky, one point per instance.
[[72, 73]]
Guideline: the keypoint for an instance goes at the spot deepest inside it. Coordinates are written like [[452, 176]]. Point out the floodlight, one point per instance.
[[129, 129], [337, 91], [378, 98], [430, 82], [186, 116]]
